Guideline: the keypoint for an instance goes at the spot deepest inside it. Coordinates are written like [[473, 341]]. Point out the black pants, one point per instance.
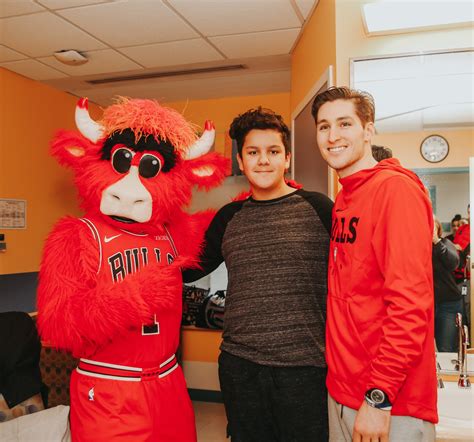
[[269, 404]]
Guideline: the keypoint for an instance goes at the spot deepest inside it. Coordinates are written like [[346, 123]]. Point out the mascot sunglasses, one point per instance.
[[149, 164]]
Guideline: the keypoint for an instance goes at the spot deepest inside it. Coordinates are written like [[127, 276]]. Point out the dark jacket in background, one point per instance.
[[445, 260], [20, 376]]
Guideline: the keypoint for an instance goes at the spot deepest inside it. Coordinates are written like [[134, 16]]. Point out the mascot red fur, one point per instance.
[[110, 282]]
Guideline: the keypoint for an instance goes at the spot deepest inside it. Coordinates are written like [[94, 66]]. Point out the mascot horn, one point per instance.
[[110, 282]]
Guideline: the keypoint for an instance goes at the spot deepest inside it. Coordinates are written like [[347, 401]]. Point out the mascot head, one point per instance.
[[137, 166]]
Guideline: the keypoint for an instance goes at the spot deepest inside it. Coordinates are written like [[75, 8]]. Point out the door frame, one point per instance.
[[328, 78]]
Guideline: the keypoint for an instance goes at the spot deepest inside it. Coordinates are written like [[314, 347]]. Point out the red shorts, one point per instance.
[[116, 403]]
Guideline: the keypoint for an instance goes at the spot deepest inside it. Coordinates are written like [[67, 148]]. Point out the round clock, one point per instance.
[[434, 148]]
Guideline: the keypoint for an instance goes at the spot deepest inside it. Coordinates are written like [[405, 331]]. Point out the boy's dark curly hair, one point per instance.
[[259, 118]]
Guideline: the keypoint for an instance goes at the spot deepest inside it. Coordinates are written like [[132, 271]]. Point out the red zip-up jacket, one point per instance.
[[380, 312]]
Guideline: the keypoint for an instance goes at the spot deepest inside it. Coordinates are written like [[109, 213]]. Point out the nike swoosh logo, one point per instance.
[[110, 238]]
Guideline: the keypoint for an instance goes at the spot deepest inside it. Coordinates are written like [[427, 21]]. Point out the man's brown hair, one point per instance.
[[363, 102], [262, 119]]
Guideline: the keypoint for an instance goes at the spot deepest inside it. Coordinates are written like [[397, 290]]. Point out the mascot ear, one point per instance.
[[208, 170], [71, 149]]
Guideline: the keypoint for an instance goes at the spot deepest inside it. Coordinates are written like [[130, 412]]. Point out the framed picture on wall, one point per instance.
[[12, 214]]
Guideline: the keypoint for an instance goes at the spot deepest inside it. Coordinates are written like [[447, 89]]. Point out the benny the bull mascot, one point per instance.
[[110, 282]]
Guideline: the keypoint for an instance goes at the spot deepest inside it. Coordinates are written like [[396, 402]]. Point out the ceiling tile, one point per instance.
[[62, 4], [173, 53], [256, 44], [231, 17], [9, 8], [44, 33], [129, 23], [305, 6], [7, 54], [100, 62], [33, 69]]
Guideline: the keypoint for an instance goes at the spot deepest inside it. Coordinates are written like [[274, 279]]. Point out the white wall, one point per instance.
[[452, 194]]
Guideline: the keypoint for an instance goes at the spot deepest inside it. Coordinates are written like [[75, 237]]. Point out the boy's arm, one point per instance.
[[210, 256], [323, 206]]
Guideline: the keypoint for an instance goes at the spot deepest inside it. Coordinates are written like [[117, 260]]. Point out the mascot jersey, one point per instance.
[[123, 382], [122, 253]]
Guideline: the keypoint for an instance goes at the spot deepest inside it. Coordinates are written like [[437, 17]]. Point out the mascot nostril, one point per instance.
[[110, 288]]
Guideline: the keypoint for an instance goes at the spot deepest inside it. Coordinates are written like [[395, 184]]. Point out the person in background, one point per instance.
[[455, 223], [275, 245], [462, 236], [462, 241], [381, 152], [448, 299], [380, 324], [21, 388]]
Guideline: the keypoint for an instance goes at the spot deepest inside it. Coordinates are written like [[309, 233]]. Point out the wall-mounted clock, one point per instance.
[[434, 148]]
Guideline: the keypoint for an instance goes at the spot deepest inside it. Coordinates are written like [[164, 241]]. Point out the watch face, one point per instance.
[[434, 148], [378, 396]]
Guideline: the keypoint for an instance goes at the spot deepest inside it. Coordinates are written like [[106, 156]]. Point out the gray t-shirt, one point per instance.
[[276, 253]]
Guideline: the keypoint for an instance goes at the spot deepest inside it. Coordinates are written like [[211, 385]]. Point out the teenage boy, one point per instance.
[[275, 245], [379, 340]]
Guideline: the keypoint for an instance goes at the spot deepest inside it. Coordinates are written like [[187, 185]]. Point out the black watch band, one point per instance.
[[377, 398]]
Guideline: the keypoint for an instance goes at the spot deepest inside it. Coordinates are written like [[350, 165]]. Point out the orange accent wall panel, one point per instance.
[[201, 345], [30, 113], [223, 110]]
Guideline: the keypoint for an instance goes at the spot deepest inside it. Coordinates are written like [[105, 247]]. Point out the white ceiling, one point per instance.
[[136, 37]]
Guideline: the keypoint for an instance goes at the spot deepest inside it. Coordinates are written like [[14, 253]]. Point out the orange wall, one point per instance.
[[223, 110], [314, 52], [30, 113], [201, 345]]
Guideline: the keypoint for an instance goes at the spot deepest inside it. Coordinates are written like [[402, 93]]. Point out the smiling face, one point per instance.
[[344, 142], [264, 162]]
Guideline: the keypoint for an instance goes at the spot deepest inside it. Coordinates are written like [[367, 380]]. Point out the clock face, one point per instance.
[[434, 148]]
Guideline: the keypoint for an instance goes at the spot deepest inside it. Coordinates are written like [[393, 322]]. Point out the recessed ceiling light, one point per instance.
[[70, 57]]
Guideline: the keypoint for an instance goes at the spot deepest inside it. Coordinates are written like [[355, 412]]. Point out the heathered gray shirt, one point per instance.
[[276, 253]]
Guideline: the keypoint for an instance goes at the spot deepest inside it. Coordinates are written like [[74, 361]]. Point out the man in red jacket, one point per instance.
[[379, 341]]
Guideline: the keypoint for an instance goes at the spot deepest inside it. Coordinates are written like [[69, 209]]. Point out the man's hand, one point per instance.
[[371, 424]]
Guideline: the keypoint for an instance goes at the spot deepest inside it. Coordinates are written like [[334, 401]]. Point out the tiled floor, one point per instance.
[[210, 422]]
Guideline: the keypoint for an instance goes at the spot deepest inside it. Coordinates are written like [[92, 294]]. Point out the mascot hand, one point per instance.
[[161, 286]]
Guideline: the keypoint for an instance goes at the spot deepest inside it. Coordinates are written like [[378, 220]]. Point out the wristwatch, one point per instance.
[[377, 398]]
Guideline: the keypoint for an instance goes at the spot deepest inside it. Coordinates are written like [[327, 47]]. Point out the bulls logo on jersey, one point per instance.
[[130, 261], [344, 232]]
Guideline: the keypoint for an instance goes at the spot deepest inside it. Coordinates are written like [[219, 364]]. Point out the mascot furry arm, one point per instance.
[[134, 171]]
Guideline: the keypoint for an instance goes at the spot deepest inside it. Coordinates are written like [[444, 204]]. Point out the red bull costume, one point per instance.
[[110, 288]]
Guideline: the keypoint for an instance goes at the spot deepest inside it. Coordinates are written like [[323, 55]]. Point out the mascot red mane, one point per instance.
[[110, 282]]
